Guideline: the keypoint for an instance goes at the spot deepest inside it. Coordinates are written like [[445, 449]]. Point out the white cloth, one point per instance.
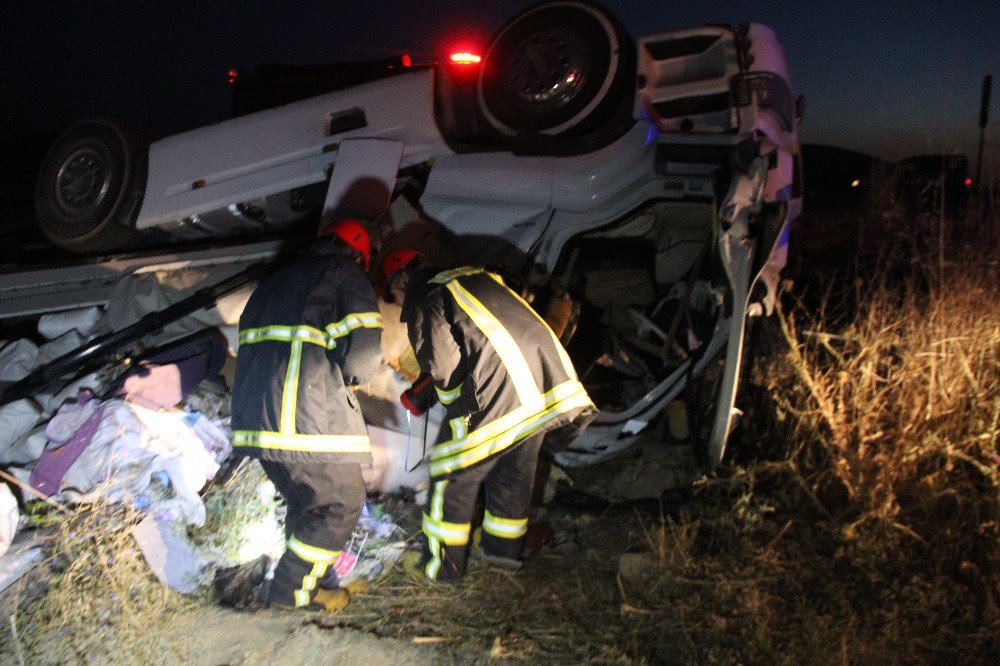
[[133, 445], [9, 517], [51, 326], [68, 420], [139, 295], [16, 420], [53, 349], [17, 359]]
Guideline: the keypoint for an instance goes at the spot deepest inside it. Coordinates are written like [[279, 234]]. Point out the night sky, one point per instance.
[[887, 77]]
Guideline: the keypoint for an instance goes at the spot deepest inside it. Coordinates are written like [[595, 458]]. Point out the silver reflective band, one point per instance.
[[284, 334], [306, 443]]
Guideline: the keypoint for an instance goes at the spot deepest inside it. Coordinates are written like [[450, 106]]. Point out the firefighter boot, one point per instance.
[[355, 587], [332, 600]]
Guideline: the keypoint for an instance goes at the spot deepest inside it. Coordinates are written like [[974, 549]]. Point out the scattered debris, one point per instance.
[[19, 557], [171, 557]]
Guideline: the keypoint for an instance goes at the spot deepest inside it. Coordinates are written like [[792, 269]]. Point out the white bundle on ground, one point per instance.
[[134, 450], [9, 518]]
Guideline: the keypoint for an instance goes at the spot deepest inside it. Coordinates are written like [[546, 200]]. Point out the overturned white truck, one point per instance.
[[639, 191]]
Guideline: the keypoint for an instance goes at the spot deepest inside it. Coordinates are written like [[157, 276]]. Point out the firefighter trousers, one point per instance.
[[507, 481], [324, 502]]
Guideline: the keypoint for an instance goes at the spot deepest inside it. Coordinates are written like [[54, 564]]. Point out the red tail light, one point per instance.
[[464, 58]]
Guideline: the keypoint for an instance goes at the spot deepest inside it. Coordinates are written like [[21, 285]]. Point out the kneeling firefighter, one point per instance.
[[506, 383], [310, 333]]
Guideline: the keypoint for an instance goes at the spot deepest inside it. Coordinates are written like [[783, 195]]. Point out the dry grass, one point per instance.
[[867, 529], [101, 600], [564, 607], [248, 498]]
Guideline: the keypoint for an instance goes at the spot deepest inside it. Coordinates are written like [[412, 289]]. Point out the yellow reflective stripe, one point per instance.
[[313, 554], [446, 276], [433, 565], [503, 342], [311, 580], [302, 598], [289, 395], [563, 356], [307, 443], [505, 528], [283, 334], [352, 322], [448, 397], [479, 445], [452, 534], [459, 427], [511, 419]]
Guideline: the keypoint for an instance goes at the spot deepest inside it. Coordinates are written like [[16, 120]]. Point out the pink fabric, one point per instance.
[[157, 387]]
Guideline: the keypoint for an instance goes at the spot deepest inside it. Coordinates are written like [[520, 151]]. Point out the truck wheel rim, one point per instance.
[[83, 181], [545, 68]]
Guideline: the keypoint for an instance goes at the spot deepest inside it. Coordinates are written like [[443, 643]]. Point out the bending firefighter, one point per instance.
[[310, 332], [506, 382]]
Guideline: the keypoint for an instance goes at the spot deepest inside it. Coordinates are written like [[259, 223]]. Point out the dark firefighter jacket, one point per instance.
[[309, 332], [497, 367]]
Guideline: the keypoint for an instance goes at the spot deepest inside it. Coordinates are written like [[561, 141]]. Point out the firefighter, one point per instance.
[[506, 383], [310, 334]]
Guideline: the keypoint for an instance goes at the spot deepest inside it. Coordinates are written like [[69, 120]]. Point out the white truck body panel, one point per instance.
[[279, 149]]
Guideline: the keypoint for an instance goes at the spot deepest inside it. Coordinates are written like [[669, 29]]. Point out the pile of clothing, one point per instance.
[[153, 435]]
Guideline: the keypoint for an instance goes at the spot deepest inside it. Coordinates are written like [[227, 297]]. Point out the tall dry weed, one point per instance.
[[896, 440], [866, 527]]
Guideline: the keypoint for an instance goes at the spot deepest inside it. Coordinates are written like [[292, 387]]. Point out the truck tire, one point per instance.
[[90, 188], [557, 69]]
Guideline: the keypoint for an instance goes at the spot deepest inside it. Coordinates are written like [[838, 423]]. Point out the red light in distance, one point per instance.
[[968, 182], [232, 75], [464, 58]]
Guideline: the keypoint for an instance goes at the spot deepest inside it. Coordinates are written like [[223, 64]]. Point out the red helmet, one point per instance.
[[353, 234], [393, 262]]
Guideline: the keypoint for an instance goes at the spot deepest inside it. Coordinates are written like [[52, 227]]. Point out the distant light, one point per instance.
[[855, 183], [233, 74], [968, 182], [405, 60], [464, 58]]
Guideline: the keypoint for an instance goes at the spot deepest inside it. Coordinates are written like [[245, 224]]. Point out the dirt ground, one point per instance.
[[213, 636], [565, 605]]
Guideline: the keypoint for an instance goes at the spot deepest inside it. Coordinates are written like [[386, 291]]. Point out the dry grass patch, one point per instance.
[[562, 607], [102, 604]]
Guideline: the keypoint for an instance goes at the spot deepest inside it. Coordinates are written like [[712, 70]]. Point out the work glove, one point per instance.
[[421, 396]]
